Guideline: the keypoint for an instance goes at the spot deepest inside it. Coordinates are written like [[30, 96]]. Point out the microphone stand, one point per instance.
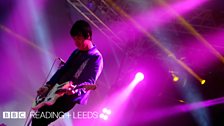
[[62, 62]]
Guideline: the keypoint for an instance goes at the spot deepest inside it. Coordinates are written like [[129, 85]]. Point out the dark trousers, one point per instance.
[[48, 114]]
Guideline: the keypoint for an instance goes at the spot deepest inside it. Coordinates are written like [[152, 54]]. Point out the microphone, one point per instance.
[[62, 61]]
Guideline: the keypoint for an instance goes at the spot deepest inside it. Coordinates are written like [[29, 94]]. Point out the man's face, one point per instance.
[[79, 40]]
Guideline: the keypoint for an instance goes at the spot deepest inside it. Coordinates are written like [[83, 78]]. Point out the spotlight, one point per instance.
[[139, 76], [175, 77], [181, 101], [92, 5], [202, 82]]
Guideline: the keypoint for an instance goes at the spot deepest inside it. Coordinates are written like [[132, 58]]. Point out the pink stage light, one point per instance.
[[139, 76], [118, 101]]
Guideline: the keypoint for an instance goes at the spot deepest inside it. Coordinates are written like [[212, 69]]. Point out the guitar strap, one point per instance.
[[81, 68]]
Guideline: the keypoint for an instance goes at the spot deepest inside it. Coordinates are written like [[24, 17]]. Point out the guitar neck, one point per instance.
[[87, 86]]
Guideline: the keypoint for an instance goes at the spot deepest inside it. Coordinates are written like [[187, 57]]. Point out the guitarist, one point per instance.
[[83, 67]]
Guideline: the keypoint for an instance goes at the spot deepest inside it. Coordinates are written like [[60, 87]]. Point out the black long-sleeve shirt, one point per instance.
[[81, 67]]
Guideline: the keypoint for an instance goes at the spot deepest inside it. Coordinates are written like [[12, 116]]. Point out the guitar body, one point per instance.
[[58, 91]]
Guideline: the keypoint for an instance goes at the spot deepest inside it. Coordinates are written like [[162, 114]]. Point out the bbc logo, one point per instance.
[[14, 115]]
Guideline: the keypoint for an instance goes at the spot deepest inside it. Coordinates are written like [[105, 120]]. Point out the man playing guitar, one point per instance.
[[82, 68]]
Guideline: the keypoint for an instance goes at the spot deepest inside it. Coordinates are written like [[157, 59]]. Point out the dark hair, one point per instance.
[[81, 27]]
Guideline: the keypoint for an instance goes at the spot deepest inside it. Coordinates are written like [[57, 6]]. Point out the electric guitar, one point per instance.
[[58, 91]]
